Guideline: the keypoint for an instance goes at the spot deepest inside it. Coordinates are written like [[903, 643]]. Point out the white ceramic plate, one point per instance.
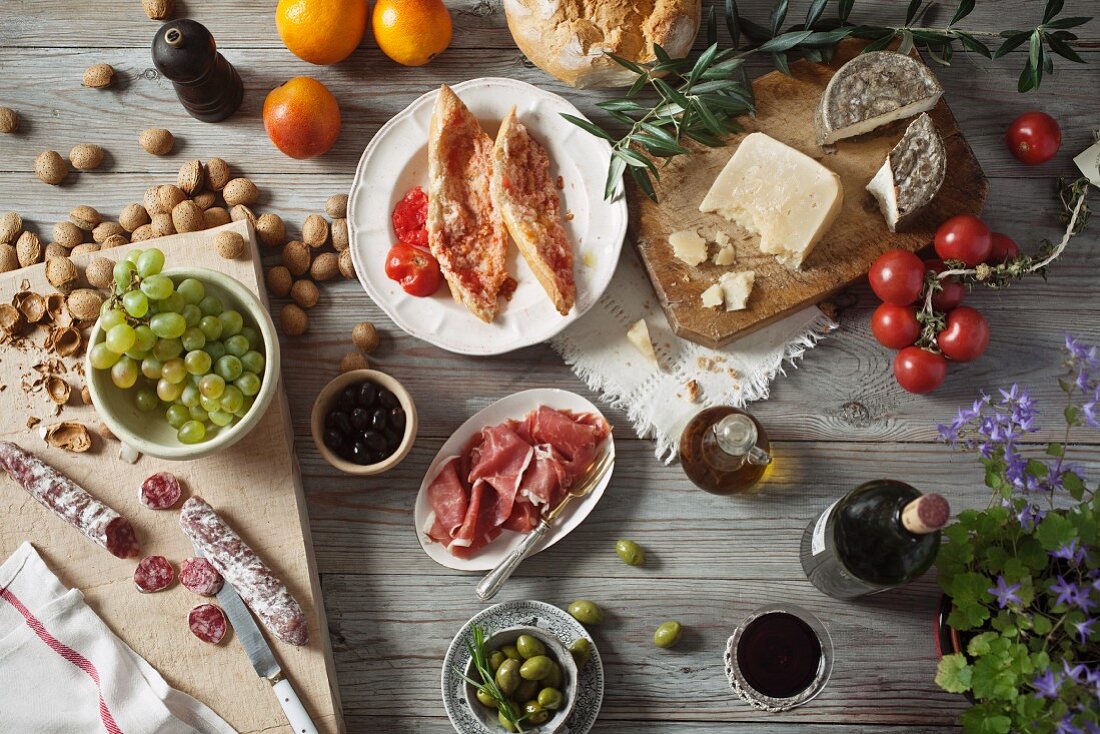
[[512, 407], [546, 617], [396, 160]]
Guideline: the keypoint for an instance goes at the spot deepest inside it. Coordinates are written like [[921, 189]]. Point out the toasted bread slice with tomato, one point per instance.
[[465, 231], [528, 200]]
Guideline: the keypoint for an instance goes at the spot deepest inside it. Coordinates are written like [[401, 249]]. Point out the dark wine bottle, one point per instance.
[[881, 535]]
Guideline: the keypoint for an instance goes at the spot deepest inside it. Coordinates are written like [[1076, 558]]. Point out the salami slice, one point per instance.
[[160, 491], [257, 584], [154, 573], [199, 576], [208, 623], [70, 501]]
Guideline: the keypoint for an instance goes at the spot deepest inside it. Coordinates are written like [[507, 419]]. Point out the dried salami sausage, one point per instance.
[[160, 491], [257, 584], [154, 573], [208, 623], [70, 501], [198, 575]]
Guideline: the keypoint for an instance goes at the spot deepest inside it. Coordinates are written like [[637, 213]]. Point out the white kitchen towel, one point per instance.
[[660, 400], [62, 670]]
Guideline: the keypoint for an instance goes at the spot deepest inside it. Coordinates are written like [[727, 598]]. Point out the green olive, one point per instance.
[[631, 553], [486, 698], [553, 680], [529, 646], [507, 676], [536, 668], [536, 714], [527, 690], [581, 650], [505, 722], [495, 659], [586, 612], [551, 698], [668, 634], [511, 652]]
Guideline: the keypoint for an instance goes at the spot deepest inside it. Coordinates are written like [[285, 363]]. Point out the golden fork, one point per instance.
[[591, 478]]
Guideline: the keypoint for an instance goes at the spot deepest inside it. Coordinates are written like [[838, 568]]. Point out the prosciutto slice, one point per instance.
[[509, 475]]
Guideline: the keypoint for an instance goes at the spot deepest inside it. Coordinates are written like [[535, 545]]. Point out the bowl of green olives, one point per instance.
[[535, 671]]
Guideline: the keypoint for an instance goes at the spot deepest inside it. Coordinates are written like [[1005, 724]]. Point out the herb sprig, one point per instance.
[[701, 100], [476, 644]]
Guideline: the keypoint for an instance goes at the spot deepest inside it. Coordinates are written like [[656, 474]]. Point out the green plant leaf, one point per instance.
[[636, 68], [966, 7], [1069, 22], [827, 39], [620, 105], [911, 12], [1063, 49], [879, 44], [587, 126], [813, 13], [844, 8], [705, 59], [712, 26], [973, 44], [1053, 8], [979, 644], [778, 15], [780, 61], [906, 44], [733, 23], [1010, 43], [785, 41], [953, 674], [635, 159], [642, 179], [1054, 531], [614, 175]]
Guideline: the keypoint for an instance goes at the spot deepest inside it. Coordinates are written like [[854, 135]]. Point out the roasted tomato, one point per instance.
[[953, 291], [1034, 137], [410, 218], [966, 336], [415, 269], [919, 370], [895, 327], [896, 277], [1004, 249], [964, 237]]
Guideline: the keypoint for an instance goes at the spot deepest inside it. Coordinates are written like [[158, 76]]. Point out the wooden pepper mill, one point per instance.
[[207, 85]]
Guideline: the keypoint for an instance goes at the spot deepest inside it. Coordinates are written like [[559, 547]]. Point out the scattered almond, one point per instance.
[[99, 272], [54, 250], [296, 257], [169, 196], [50, 167], [271, 230], [190, 178], [365, 336], [241, 212], [315, 231], [9, 260], [157, 141], [240, 191], [217, 174], [85, 248], [28, 248], [162, 225], [337, 206], [103, 230], [158, 9], [354, 361], [86, 156], [229, 245], [188, 217], [205, 199], [216, 216], [340, 240], [31, 305], [11, 226], [142, 233], [305, 293], [61, 273], [325, 266], [279, 281], [84, 304], [56, 313], [347, 267], [9, 120], [11, 321], [293, 320], [99, 76], [114, 240], [151, 201], [85, 217], [132, 217], [67, 234]]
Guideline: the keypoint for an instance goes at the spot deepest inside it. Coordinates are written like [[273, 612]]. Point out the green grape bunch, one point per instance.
[[180, 350]]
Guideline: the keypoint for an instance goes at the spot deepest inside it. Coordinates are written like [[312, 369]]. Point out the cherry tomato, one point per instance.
[[897, 276], [1034, 137], [964, 237], [410, 218], [966, 336], [953, 291], [895, 326], [415, 269], [1004, 249], [919, 370]]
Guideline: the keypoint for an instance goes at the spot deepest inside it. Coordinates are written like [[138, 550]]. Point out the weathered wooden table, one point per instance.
[[837, 420]]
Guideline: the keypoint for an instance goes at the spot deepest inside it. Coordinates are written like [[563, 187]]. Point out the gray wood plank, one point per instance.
[[432, 725]]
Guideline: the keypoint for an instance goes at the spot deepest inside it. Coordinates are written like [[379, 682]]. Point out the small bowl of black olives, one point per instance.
[[364, 422]]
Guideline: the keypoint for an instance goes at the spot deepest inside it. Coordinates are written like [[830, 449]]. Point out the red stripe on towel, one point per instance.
[[66, 652]]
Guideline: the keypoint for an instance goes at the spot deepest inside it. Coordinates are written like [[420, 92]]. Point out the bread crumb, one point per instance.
[[693, 390]]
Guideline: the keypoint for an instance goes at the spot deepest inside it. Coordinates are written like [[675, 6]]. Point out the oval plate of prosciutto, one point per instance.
[[502, 470]]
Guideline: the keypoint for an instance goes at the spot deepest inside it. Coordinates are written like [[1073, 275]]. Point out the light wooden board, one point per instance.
[[785, 111], [254, 484]]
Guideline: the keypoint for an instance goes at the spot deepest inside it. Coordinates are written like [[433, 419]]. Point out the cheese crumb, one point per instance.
[[688, 246], [736, 288], [712, 297]]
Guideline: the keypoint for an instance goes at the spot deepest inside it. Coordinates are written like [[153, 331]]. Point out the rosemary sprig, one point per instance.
[[700, 100], [475, 643]]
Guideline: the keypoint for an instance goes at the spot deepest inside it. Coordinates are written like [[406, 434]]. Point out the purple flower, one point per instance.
[[1076, 673], [1030, 516], [1066, 726], [1070, 552], [1065, 590], [1047, 685], [1005, 594], [1082, 599], [1089, 412], [1084, 629]]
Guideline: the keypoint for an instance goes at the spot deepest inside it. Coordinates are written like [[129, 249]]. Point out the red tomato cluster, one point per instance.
[[898, 279], [409, 262]]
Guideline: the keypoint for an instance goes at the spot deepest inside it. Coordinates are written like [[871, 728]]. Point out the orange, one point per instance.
[[412, 32], [302, 117], [321, 31]]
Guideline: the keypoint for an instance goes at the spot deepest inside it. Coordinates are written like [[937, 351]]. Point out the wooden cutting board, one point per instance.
[[254, 484], [785, 108]]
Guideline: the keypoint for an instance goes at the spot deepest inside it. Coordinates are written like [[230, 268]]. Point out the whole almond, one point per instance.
[[169, 196], [337, 206], [86, 156], [190, 177], [55, 250], [271, 230], [133, 216], [28, 248], [99, 76], [279, 281], [305, 293], [205, 199], [340, 240], [162, 225], [296, 257], [9, 260], [241, 212], [229, 245], [84, 248], [156, 140], [158, 9], [84, 304], [151, 201], [103, 230], [61, 273], [216, 216], [315, 231], [68, 235], [50, 167], [99, 272], [142, 233], [347, 267], [293, 320], [114, 240], [9, 120], [85, 217], [187, 217], [325, 266], [354, 361], [11, 225], [365, 336], [240, 191], [217, 174]]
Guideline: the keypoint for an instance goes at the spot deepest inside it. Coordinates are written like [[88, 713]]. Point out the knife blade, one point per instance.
[[262, 657]]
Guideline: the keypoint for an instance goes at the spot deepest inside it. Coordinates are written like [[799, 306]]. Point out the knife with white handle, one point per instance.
[[262, 658]]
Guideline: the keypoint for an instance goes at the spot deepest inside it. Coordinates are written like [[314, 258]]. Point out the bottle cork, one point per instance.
[[926, 514]]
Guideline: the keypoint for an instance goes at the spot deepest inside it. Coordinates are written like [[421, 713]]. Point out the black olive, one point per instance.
[[375, 441], [347, 398], [335, 440], [378, 419], [340, 421], [367, 394], [397, 419], [360, 454], [377, 456], [393, 439], [360, 419], [330, 419], [387, 399]]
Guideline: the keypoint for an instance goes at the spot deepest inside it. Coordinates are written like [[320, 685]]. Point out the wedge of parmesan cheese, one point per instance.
[[911, 174], [712, 297], [688, 246], [773, 190], [638, 335], [872, 90], [736, 288]]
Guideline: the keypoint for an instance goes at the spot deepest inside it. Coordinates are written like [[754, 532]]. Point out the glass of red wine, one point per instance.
[[779, 658]]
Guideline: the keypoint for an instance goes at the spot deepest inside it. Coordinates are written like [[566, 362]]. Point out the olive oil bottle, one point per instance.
[[724, 450]]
